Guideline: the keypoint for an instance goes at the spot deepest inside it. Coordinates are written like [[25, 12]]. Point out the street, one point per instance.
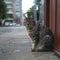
[[15, 44]]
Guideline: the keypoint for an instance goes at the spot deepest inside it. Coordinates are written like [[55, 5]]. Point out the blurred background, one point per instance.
[[13, 12]]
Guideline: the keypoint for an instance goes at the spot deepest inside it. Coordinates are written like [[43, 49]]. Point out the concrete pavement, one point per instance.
[[16, 45]]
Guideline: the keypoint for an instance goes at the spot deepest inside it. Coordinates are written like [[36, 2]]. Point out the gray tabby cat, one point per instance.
[[42, 37]]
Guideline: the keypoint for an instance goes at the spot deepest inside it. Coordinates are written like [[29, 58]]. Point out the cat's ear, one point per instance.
[[26, 18]]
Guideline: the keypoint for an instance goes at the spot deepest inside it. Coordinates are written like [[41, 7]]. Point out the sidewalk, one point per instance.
[[17, 46]]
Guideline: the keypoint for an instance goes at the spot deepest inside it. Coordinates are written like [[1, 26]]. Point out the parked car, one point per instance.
[[7, 23], [10, 24], [14, 24]]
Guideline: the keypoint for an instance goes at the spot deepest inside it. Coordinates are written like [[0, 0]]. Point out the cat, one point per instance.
[[42, 37]]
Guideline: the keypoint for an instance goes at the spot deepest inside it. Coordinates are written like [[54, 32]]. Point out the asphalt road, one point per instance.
[[15, 44], [10, 29]]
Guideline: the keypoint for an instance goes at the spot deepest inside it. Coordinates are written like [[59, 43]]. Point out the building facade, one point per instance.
[[10, 5], [19, 10], [14, 8], [52, 20]]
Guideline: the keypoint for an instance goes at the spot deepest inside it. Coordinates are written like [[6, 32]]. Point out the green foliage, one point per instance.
[[30, 12], [3, 9], [38, 11], [38, 1]]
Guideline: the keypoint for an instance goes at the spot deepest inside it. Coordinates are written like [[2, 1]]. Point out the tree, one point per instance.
[[38, 11], [30, 13], [3, 9]]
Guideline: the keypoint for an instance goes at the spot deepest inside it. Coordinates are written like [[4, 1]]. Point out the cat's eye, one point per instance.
[[27, 24]]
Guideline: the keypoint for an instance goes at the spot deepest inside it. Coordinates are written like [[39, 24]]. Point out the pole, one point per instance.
[[34, 7]]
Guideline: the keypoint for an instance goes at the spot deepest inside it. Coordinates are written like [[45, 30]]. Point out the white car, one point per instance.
[[12, 24], [7, 23]]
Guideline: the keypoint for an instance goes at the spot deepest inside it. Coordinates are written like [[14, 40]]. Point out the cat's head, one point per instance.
[[30, 24]]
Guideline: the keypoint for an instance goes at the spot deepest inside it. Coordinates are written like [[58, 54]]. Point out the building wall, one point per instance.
[[14, 8], [10, 7], [57, 32], [52, 20], [19, 8], [46, 13]]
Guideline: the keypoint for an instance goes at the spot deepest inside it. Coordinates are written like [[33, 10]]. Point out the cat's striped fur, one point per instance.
[[42, 37]]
